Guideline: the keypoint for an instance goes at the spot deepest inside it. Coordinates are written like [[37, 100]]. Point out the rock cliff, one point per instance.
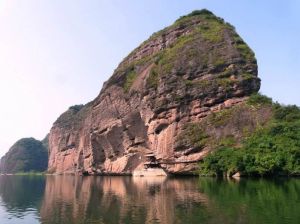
[[155, 100]]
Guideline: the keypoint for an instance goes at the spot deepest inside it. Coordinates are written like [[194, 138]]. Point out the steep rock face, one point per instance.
[[179, 76], [27, 154]]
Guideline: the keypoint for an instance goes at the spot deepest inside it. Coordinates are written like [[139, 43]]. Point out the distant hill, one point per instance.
[[27, 154]]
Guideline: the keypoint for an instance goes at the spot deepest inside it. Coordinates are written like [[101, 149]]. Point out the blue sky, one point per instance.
[[57, 53]]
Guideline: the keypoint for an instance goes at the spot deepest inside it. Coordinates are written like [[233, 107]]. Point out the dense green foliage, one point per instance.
[[25, 156], [270, 150]]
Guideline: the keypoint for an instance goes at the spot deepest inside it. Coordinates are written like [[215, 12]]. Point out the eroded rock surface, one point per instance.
[[179, 76]]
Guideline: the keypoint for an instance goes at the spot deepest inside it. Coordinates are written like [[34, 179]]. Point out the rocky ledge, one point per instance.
[[155, 101]]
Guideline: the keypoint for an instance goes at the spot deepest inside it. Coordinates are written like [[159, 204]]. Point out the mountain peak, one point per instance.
[[179, 76]]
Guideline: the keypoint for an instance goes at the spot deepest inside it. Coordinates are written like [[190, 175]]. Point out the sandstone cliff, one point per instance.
[[155, 100]]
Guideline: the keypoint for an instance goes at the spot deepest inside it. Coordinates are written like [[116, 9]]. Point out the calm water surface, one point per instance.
[[69, 199]]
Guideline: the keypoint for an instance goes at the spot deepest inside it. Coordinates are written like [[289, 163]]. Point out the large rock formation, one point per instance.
[[155, 99], [26, 155]]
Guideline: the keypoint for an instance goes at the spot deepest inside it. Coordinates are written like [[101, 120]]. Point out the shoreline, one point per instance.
[[170, 175]]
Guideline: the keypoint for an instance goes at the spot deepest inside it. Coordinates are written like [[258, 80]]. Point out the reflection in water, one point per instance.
[[116, 199], [20, 196], [69, 199], [254, 201]]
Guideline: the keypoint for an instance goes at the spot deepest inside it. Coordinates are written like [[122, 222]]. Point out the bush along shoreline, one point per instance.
[[270, 150]]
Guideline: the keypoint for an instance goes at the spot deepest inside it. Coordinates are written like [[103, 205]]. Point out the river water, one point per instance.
[[70, 199]]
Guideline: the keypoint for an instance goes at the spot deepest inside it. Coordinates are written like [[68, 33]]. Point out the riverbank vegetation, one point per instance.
[[31, 173], [270, 150]]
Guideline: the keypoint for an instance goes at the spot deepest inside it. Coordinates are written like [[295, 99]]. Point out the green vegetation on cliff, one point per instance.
[[270, 149], [73, 116], [129, 80], [198, 46], [26, 156]]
